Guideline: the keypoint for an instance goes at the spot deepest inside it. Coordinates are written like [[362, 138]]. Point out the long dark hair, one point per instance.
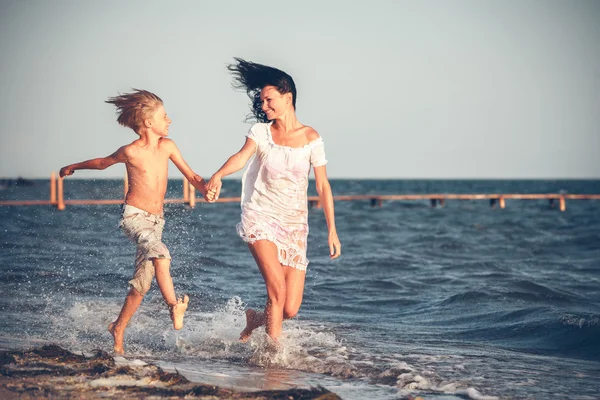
[[252, 77]]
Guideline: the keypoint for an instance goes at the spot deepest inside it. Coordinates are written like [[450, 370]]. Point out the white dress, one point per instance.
[[274, 195]]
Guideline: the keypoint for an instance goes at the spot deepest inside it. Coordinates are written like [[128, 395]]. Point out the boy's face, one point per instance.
[[160, 121]]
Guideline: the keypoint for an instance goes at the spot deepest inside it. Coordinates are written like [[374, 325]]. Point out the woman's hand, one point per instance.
[[213, 189], [335, 247]]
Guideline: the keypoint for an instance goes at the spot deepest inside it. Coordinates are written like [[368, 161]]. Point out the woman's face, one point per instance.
[[274, 104]]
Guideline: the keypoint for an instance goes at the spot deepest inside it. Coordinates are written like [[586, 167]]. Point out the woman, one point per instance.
[[274, 191]]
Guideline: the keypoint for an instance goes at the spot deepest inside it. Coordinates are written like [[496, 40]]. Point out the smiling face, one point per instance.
[[275, 104], [159, 121]]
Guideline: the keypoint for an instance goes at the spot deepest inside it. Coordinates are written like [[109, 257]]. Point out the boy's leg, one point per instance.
[[165, 284], [117, 328], [163, 278]]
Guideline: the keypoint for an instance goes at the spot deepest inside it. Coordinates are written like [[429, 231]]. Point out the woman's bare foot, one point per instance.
[[273, 345], [253, 321], [117, 335], [178, 310]]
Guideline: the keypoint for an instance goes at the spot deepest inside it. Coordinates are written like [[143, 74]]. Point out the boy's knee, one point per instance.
[[159, 262], [135, 292]]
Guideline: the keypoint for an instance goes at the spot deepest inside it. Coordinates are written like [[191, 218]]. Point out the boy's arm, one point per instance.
[[96, 163], [196, 180]]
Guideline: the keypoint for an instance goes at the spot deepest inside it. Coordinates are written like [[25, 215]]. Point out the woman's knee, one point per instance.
[[290, 311], [277, 293]]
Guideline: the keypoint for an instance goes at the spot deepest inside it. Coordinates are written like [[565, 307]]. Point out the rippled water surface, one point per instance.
[[464, 301]]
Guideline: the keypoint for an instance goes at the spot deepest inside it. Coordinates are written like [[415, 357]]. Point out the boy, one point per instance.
[[146, 160]]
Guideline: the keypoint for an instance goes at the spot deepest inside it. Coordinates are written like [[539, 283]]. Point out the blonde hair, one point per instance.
[[133, 108]]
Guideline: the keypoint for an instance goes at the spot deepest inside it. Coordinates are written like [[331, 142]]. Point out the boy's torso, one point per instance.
[[147, 173]]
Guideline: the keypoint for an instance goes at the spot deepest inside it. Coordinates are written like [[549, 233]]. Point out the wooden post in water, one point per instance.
[[60, 204], [192, 196], [376, 202], [125, 185], [186, 190], [53, 188]]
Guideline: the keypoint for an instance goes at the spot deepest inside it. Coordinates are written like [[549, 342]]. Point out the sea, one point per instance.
[[460, 301]]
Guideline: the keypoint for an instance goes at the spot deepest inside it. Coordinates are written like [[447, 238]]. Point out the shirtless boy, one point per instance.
[[146, 160]]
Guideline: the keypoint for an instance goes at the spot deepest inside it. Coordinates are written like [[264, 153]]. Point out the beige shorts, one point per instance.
[[145, 230]]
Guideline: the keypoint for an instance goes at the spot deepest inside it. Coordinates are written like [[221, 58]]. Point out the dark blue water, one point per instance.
[[464, 301]]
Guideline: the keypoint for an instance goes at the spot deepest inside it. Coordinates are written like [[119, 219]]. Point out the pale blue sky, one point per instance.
[[397, 89]]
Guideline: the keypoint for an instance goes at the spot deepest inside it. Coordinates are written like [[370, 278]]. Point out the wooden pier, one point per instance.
[[189, 197]]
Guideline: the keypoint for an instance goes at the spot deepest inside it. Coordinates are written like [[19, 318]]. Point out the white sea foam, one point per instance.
[[312, 348], [305, 346], [475, 395]]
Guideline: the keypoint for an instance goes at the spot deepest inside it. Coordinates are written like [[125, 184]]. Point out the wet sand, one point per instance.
[[53, 372]]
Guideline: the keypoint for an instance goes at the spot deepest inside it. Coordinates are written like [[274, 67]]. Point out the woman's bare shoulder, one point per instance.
[[311, 133]]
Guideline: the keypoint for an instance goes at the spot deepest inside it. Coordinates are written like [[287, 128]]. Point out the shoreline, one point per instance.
[[50, 371]]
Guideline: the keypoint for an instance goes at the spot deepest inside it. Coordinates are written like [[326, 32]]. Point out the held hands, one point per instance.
[[64, 171], [213, 189], [335, 247], [199, 184]]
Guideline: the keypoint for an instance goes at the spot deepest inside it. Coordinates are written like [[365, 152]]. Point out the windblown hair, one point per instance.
[[133, 108], [252, 77]]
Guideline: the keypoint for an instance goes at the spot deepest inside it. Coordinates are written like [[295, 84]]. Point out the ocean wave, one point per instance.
[[309, 348], [467, 297], [538, 330], [580, 321], [527, 290]]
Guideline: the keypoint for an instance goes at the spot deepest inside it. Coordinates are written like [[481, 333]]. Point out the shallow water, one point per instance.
[[463, 301]]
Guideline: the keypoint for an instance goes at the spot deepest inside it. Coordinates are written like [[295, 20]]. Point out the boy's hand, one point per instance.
[[64, 171], [199, 184]]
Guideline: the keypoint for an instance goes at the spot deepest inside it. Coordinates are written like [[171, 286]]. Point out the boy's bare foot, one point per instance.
[[252, 322], [178, 310], [117, 335]]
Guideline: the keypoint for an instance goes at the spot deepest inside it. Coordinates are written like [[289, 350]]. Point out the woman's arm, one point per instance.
[[233, 164], [326, 198]]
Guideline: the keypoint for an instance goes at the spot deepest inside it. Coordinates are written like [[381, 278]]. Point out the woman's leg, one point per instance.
[[294, 289], [265, 255], [294, 284]]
